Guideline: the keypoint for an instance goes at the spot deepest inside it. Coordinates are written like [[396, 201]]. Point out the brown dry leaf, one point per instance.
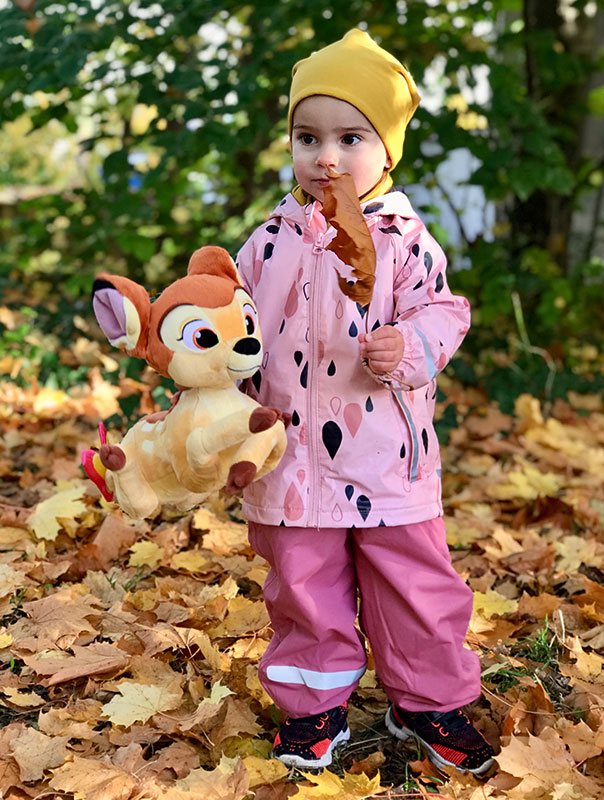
[[91, 779], [229, 781], [95, 659], [35, 752], [540, 606], [580, 739], [353, 244], [113, 538], [369, 765], [60, 620], [76, 721]]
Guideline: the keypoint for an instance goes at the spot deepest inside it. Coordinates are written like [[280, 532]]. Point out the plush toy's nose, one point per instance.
[[247, 347]]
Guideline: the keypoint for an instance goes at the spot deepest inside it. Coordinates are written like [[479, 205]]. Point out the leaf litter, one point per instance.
[[129, 650]]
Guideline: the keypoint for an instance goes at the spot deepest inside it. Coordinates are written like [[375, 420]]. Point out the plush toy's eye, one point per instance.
[[198, 335], [251, 318]]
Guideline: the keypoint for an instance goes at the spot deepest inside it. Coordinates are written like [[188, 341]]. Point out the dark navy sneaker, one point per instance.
[[449, 737], [308, 742]]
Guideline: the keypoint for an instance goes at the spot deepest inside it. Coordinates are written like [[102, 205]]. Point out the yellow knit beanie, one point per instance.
[[357, 70]]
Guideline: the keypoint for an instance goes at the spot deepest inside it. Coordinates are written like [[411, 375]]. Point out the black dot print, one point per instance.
[[425, 439], [415, 250], [391, 229], [403, 449], [363, 506], [368, 404], [257, 380], [272, 228], [428, 261], [331, 369], [332, 438], [304, 376], [268, 251], [298, 357], [440, 282], [295, 418], [353, 330]]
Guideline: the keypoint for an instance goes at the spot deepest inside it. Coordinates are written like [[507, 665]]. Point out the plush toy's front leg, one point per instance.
[[203, 442], [256, 456]]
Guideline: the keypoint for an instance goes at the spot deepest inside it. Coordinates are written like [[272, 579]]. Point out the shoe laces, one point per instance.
[[455, 720]]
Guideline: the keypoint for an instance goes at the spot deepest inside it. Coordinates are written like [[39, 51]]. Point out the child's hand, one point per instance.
[[383, 348]]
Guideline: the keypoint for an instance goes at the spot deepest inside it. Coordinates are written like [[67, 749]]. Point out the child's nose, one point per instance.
[[327, 156]]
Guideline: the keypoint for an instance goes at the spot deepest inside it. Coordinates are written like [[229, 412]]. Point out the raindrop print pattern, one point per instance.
[[369, 405], [353, 330], [295, 419], [428, 261], [304, 376], [371, 209], [268, 251], [349, 491], [331, 369], [331, 435], [391, 229], [353, 416], [425, 439], [440, 282], [293, 506], [363, 506], [257, 380]]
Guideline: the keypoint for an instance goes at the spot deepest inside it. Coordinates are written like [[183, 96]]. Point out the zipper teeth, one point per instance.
[[313, 401]]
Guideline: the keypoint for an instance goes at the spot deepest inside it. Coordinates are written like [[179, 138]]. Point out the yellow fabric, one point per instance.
[[362, 73]]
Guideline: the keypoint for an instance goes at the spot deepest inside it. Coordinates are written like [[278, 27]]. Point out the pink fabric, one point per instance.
[[355, 456], [415, 611]]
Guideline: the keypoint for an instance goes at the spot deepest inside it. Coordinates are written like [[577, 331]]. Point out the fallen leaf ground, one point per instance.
[[129, 650]]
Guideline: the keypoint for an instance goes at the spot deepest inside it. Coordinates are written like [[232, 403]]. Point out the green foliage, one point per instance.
[[178, 115]]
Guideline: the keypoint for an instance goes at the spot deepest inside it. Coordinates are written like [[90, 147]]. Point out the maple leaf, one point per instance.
[[353, 244], [493, 603], [139, 702], [34, 752], [59, 619], [229, 781], [95, 659], [244, 616], [23, 699], [91, 779], [145, 554], [190, 560], [264, 770], [67, 504], [328, 785]]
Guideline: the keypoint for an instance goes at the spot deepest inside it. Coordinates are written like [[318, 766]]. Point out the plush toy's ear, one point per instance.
[[122, 308], [210, 260]]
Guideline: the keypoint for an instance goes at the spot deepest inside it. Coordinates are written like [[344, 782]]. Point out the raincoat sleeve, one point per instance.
[[432, 320]]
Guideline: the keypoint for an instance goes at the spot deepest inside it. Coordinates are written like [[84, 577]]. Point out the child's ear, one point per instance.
[[122, 308], [388, 164]]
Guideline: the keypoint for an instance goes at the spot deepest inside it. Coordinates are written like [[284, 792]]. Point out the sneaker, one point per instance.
[[309, 741], [448, 736]]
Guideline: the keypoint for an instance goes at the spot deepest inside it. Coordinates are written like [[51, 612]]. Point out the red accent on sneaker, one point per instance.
[[277, 740], [320, 748], [454, 756]]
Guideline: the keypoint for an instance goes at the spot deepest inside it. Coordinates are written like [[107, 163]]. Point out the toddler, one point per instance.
[[354, 507]]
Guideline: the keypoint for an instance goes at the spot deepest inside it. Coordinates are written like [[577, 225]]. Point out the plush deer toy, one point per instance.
[[202, 331]]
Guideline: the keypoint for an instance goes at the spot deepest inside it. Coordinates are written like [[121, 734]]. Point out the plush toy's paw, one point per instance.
[[265, 417], [112, 457], [241, 475]]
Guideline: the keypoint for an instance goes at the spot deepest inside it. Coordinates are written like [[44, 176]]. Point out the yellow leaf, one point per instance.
[[572, 551], [217, 695], [6, 639], [328, 785], [244, 616], [493, 603], [528, 410], [48, 401], [191, 560], [146, 554], [264, 770], [142, 117], [18, 697], [44, 522], [139, 702], [526, 484]]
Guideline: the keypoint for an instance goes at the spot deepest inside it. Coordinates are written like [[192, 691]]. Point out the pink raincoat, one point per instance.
[[362, 452]]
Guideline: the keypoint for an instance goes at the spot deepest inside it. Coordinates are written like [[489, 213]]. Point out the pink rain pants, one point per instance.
[[414, 609]]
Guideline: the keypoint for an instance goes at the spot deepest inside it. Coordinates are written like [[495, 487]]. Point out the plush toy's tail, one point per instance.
[[94, 468]]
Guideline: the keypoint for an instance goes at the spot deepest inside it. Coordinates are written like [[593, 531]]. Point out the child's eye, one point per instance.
[[306, 138], [351, 138]]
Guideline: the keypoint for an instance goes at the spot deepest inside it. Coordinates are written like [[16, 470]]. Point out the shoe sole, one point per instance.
[[404, 734], [324, 761]]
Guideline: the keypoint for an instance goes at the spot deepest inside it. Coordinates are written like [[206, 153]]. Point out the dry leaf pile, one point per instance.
[[129, 650]]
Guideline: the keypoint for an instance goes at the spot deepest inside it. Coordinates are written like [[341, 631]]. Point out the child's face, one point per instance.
[[330, 133]]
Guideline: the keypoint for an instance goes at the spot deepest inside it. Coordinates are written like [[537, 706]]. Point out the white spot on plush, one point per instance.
[[148, 446]]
